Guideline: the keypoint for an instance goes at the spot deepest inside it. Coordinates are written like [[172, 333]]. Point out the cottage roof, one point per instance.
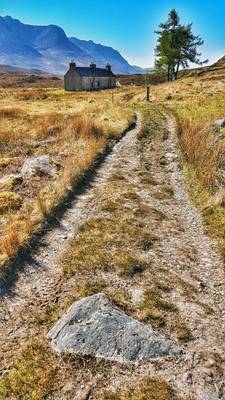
[[98, 72]]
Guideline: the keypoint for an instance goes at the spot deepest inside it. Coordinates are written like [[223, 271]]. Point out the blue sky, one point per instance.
[[127, 25]]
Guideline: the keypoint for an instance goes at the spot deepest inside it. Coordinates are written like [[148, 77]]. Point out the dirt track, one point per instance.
[[184, 251]]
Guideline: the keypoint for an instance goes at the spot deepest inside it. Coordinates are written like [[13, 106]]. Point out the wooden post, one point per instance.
[[148, 93]]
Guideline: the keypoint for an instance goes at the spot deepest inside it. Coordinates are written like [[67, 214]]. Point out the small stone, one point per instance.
[[220, 122], [137, 295], [165, 135], [162, 161], [189, 378], [208, 372]]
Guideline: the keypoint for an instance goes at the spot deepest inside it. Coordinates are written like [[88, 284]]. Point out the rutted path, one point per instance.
[[39, 279], [183, 252]]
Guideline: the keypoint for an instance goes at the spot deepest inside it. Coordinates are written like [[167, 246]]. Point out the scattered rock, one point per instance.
[[165, 135], [220, 123], [188, 378], [39, 166], [168, 97], [94, 326], [171, 156], [162, 161], [208, 375], [172, 167], [32, 143], [137, 295]]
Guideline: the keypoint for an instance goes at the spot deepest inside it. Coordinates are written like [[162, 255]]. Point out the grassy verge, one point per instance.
[[197, 103]]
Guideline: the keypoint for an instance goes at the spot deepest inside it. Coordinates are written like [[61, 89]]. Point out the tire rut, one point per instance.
[[39, 278]]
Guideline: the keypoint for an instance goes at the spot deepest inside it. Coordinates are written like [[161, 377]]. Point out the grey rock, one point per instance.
[[188, 378], [168, 97], [137, 295], [220, 123], [32, 143], [170, 157], [43, 165], [94, 326], [165, 135]]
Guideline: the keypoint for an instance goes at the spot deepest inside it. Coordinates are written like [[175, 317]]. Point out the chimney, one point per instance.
[[92, 65], [72, 64], [108, 67]]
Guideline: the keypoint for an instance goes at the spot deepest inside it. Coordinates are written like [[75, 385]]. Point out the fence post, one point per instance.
[[148, 93]]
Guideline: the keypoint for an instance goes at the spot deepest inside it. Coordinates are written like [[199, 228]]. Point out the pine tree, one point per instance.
[[176, 46]]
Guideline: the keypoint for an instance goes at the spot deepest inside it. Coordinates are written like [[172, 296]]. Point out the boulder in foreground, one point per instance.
[[94, 326]]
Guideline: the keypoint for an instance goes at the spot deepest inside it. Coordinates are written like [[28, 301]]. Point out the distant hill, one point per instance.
[[9, 69], [211, 72], [49, 49]]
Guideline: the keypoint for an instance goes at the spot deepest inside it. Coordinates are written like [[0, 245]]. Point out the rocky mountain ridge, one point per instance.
[[49, 49]]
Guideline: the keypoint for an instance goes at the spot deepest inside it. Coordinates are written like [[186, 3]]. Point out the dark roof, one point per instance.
[[98, 72]]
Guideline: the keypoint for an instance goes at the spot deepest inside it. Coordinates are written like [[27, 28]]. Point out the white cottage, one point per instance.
[[89, 78]]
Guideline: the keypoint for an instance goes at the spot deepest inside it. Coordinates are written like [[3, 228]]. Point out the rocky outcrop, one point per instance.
[[94, 326]]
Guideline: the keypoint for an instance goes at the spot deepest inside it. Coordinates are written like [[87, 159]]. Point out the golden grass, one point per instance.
[[202, 150], [197, 102], [9, 201], [32, 375], [74, 135]]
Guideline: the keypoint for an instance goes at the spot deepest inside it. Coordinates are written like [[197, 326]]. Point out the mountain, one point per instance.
[[49, 49], [102, 55]]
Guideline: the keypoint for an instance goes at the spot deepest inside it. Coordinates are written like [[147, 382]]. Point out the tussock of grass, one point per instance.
[[144, 210], [9, 201], [153, 307], [32, 375], [180, 329], [99, 238], [214, 215], [146, 389], [146, 178], [10, 112], [5, 161], [9, 184], [164, 193], [201, 150]]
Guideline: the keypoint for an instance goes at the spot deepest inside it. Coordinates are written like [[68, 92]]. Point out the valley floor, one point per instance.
[[134, 235]]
